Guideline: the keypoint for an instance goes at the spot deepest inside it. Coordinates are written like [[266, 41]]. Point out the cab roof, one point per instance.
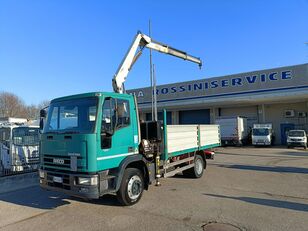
[[90, 94]]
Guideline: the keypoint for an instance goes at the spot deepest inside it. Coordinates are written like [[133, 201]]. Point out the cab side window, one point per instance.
[[116, 115], [123, 113], [108, 122]]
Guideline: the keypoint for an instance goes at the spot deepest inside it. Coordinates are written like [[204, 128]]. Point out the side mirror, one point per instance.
[[43, 113], [41, 123]]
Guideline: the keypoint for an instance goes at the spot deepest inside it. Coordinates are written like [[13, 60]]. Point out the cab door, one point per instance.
[[117, 139]]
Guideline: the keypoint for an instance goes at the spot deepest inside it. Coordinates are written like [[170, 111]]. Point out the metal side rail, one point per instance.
[[178, 169]]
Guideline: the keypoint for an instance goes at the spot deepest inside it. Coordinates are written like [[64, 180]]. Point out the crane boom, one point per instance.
[[142, 40]]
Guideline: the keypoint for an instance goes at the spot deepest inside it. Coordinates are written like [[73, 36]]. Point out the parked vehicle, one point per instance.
[[94, 144], [297, 138], [233, 130], [19, 148], [262, 134]]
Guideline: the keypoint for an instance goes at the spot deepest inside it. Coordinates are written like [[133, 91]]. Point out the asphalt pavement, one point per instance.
[[249, 188]]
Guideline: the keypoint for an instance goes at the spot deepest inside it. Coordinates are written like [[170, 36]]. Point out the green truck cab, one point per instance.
[[93, 144]]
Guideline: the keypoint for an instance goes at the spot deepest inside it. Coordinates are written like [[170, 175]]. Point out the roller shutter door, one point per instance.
[[195, 117]]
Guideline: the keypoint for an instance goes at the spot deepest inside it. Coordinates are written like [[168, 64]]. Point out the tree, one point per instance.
[[32, 112], [43, 104], [11, 105]]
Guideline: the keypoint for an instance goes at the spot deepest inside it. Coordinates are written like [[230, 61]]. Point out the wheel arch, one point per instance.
[[134, 161]]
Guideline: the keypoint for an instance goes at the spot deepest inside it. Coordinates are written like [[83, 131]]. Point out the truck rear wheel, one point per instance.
[[197, 170], [131, 188]]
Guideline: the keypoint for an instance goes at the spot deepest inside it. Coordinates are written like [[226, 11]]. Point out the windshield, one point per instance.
[[296, 133], [25, 136], [72, 116], [260, 131]]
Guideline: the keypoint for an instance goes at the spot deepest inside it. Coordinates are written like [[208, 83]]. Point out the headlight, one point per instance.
[[87, 180], [41, 173]]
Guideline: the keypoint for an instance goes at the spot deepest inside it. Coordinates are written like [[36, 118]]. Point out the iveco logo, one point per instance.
[[58, 161]]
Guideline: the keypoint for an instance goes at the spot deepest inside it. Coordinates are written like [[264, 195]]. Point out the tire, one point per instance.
[[131, 188], [197, 170]]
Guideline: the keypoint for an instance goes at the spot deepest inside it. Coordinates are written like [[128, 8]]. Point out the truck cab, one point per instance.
[[297, 138], [85, 137], [262, 134], [19, 146]]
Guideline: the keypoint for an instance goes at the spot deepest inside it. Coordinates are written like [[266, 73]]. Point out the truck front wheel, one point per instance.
[[131, 187], [197, 170]]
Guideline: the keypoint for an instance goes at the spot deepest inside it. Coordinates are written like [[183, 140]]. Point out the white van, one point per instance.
[[297, 138]]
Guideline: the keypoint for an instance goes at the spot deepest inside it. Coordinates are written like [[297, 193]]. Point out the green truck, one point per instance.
[[94, 144]]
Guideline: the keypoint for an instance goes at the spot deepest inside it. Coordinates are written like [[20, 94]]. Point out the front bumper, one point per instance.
[[261, 143], [300, 144], [69, 185]]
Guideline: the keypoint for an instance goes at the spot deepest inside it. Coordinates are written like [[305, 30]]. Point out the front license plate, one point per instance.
[[57, 179]]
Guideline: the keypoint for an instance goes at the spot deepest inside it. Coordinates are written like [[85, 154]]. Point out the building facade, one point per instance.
[[278, 96]]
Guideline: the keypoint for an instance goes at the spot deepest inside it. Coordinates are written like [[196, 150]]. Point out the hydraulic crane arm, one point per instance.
[[142, 40]]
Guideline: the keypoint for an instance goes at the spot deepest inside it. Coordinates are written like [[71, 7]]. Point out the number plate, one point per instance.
[[57, 179]]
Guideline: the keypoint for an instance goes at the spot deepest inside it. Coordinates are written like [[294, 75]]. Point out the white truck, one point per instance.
[[233, 130], [262, 134], [19, 148]]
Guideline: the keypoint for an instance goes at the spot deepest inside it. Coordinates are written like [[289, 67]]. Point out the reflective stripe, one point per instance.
[[116, 156]]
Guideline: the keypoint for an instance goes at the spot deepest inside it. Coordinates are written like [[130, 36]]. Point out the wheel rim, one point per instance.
[[134, 187], [199, 166]]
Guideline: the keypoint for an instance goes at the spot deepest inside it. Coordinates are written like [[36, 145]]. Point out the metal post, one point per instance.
[[151, 75], [155, 95], [263, 113]]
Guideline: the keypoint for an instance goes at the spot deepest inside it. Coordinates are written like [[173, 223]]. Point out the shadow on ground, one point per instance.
[[267, 202], [303, 153], [35, 197], [108, 200], [280, 169]]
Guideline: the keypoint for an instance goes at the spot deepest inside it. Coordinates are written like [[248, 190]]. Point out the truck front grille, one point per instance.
[[61, 162]]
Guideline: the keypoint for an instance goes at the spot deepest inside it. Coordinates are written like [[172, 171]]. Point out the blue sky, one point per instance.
[[55, 48]]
